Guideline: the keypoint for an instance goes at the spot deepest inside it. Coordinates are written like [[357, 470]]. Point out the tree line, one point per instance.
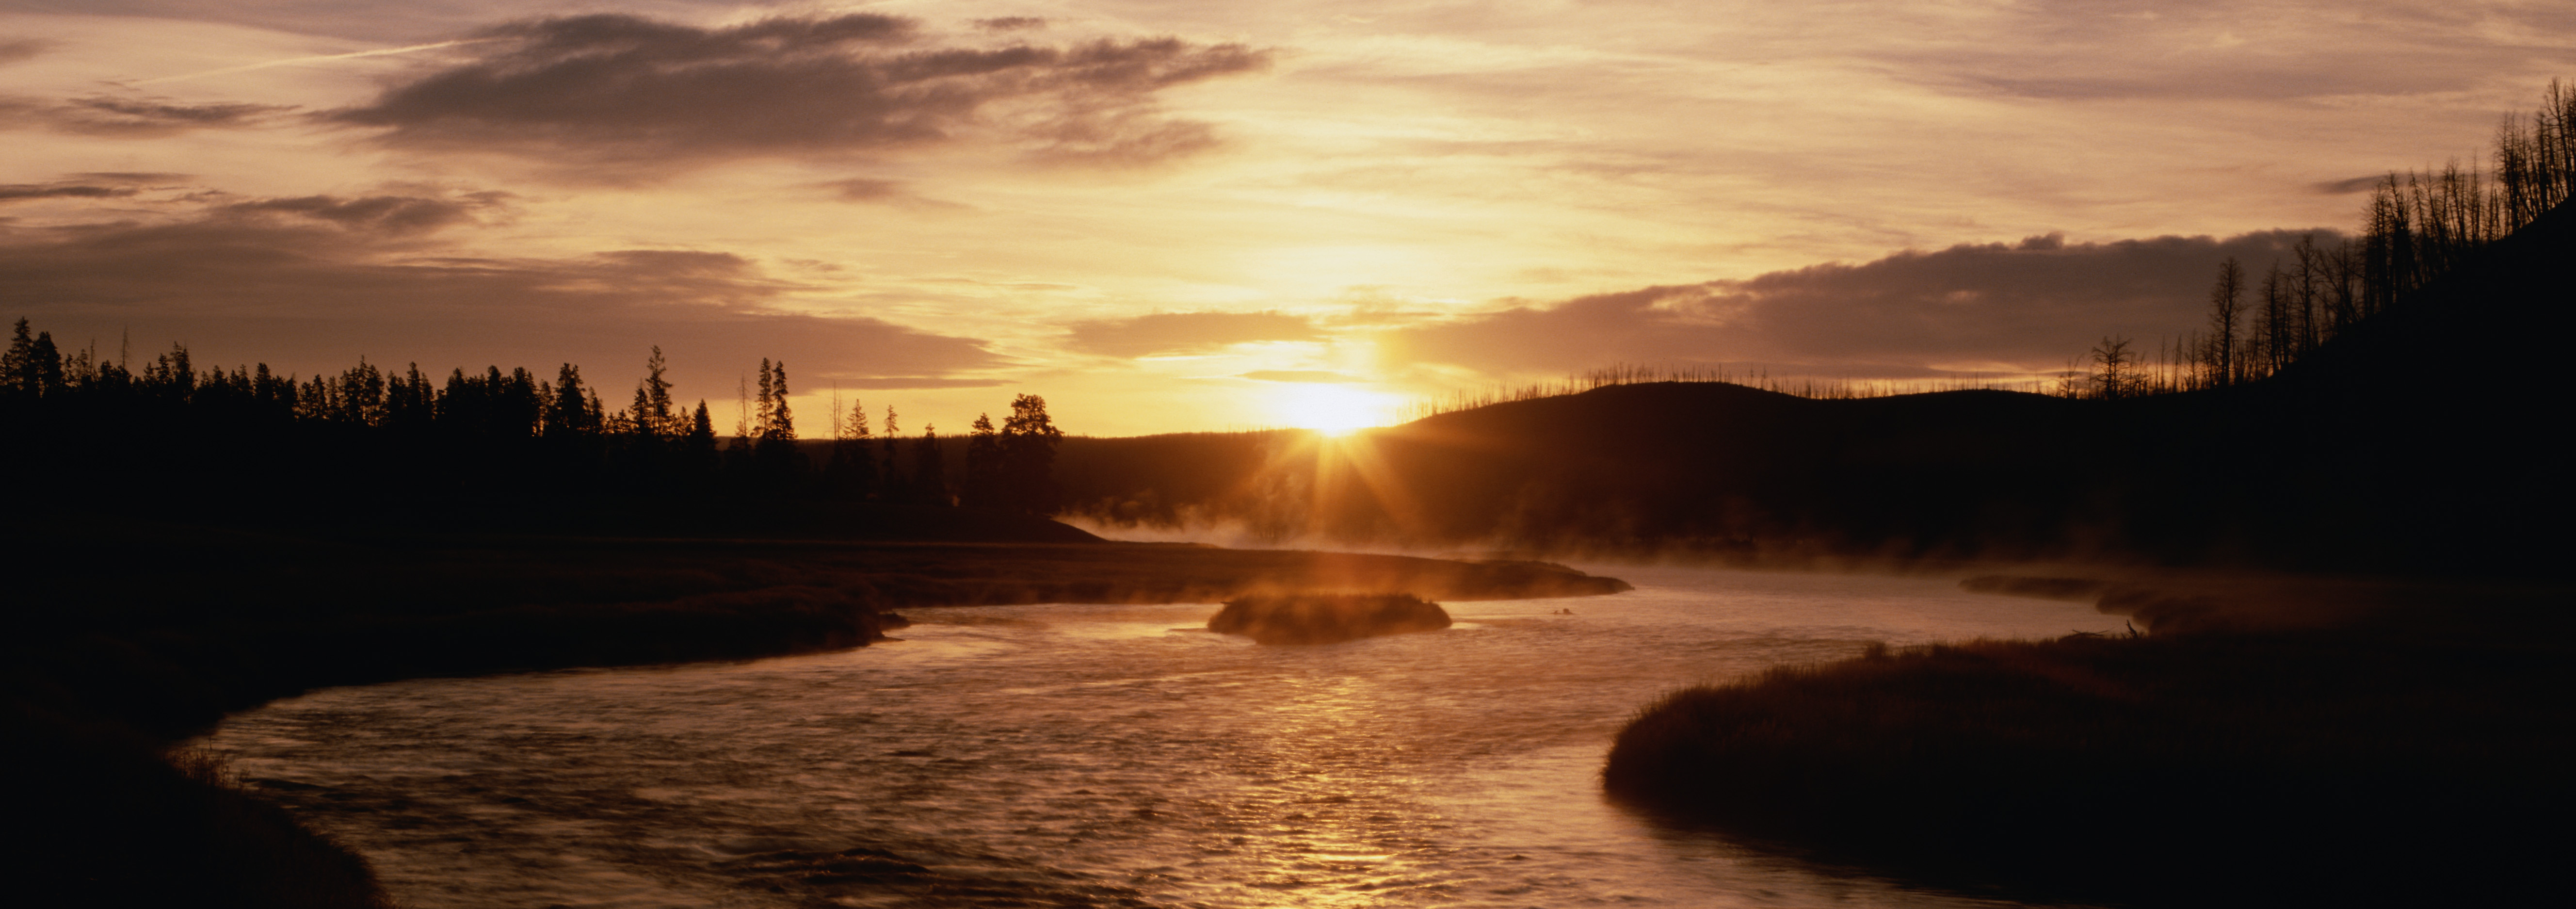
[[166, 429], [2418, 227]]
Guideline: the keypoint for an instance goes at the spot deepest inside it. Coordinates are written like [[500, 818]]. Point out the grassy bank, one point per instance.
[[127, 638], [2294, 768]]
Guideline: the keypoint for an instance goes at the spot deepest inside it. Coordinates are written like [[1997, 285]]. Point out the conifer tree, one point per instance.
[[929, 467], [893, 485], [1028, 444], [782, 424], [18, 365], [983, 464], [574, 410], [651, 412], [853, 469]]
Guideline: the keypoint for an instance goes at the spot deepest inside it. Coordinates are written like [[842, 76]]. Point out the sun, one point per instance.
[[1334, 410]]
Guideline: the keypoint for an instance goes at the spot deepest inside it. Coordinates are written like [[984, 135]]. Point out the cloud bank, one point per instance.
[[1969, 308], [641, 94], [314, 282]]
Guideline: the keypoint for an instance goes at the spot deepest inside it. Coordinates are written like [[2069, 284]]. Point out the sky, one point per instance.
[[1207, 215]]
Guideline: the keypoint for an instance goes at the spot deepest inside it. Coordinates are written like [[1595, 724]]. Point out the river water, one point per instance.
[[1067, 755]]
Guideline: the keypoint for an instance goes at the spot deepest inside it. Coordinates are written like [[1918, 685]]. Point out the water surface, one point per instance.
[[1063, 755]]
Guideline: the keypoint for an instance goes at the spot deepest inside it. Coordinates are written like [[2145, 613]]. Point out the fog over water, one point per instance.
[[1095, 755]]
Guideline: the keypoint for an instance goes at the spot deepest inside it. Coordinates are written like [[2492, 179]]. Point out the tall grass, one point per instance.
[[2264, 770]]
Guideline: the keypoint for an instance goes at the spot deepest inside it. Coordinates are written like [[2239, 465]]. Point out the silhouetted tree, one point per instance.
[[32, 367], [650, 416], [2226, 305], [852, 471], [2273, 323], [929, 468], [411, 404], [983, 487], [574, 410], [775, 445], [1029, 439], [894, 486], [698, 449], [2113, 368], [171, 379]]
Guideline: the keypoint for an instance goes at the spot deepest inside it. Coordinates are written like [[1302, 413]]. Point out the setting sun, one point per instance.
[[1333, 410]]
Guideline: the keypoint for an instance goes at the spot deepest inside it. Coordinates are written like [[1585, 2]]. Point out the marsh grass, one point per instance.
[[2308, 769]]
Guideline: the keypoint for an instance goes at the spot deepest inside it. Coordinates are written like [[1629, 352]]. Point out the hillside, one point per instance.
[[2416, 441]]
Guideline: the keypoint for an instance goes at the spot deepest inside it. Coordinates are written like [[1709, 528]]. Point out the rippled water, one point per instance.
[[1093, 755]]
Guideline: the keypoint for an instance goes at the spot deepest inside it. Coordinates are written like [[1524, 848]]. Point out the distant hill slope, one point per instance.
[[2420, 440]]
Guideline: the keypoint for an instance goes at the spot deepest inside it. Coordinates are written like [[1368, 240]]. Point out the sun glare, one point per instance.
[[1334, 410]]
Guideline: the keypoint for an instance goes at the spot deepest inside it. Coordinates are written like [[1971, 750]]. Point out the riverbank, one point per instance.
[[133, 637], [2414, 758]]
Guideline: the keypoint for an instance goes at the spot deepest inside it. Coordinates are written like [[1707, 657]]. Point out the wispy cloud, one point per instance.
[[133, 117], [1187, 332], [11, 192]]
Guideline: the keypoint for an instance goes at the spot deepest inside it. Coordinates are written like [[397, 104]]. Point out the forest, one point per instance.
[[369, 447]]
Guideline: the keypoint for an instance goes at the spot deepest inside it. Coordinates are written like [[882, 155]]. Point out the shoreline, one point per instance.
[[135, 641], [2367, 764]]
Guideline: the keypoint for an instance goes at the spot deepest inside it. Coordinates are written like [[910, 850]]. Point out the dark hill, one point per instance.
[[2420, 440]]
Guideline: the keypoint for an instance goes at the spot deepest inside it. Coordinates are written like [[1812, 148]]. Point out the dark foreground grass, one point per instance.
[[2313, 768], [124, 639]]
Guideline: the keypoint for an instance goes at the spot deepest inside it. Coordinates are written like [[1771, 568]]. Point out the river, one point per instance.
[[1074, 755]]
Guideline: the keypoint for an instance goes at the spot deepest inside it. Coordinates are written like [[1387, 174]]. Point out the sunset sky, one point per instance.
[[1170, 216]]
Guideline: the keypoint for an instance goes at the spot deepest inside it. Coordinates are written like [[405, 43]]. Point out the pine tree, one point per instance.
[[983, 464], [775, 447], [574, 411], [893, 485], [651, 412], [18, 366], [852, 472], [782, 424], [929, 467], [1028, 444]]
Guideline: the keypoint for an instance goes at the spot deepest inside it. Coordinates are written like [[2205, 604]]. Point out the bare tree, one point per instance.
[[2226, 306], [2114, 367]]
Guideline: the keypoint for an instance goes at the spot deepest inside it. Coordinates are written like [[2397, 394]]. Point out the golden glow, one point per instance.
[[1334, 410]]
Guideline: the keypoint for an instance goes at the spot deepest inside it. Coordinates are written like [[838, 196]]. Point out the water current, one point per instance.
[[1072, 755]]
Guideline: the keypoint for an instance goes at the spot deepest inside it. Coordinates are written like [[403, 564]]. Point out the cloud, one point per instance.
[[1011, 23], [2349, 185], [1187, 332], [133, 118], [12, 192], [1300, 375], [16, 49], [1990, 307], [652, 97], [392, 215], [313, 283]]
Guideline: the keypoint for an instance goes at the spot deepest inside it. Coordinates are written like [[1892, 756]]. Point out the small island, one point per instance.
[[1326, 618]]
